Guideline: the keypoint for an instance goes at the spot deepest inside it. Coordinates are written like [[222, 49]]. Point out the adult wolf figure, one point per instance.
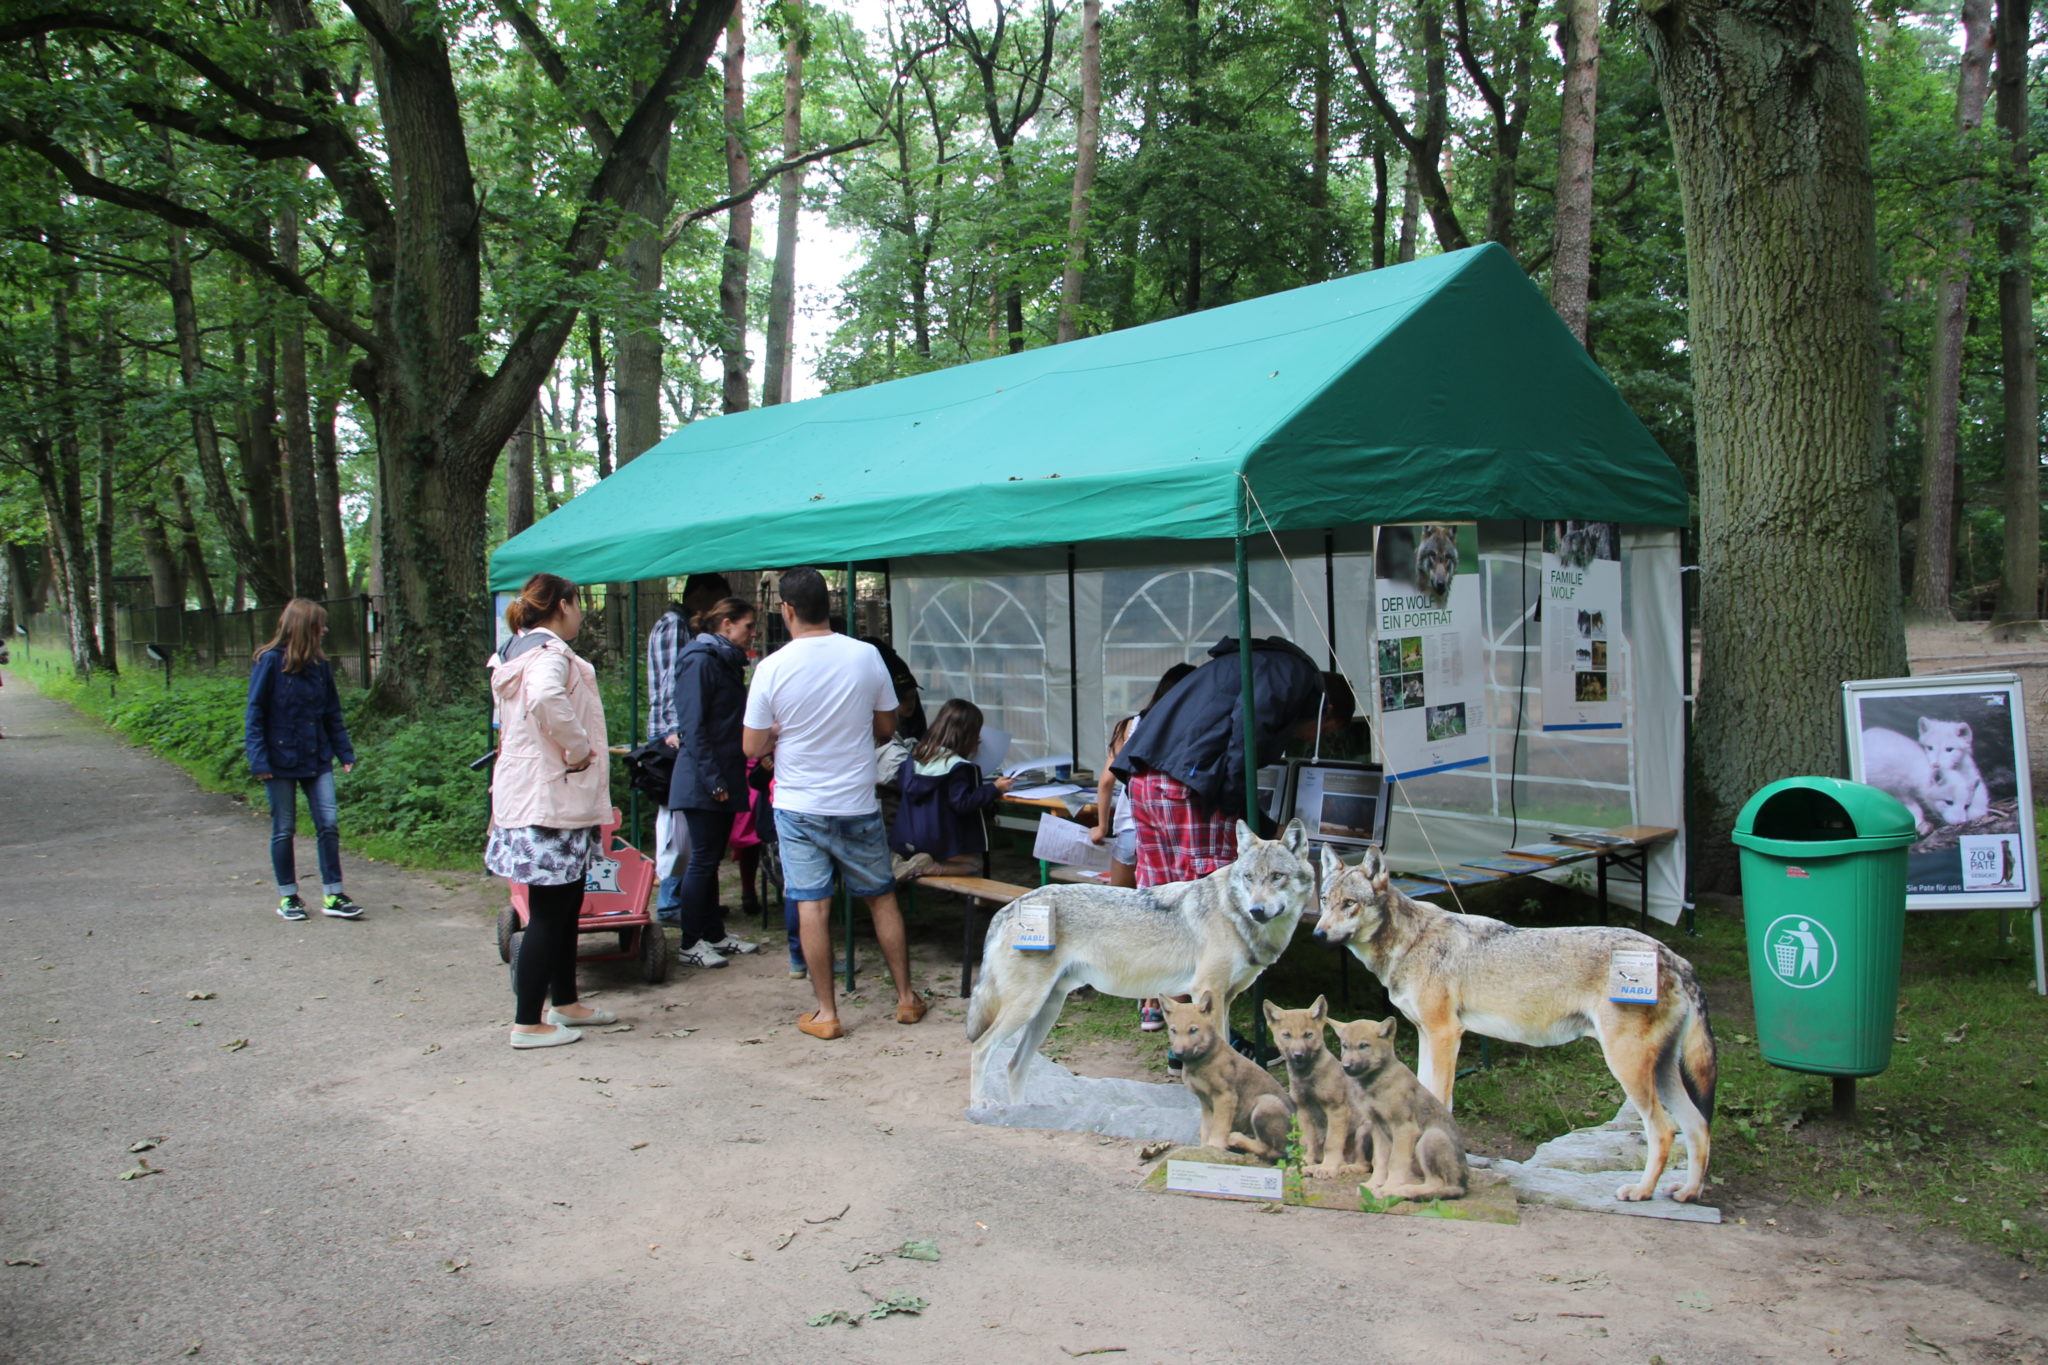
[[1447, 973], [1215, 934]]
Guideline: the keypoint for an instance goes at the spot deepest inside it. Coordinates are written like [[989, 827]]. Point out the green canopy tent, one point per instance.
[[1442, 389]]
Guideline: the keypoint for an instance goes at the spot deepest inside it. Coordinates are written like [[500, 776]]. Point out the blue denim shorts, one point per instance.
[[813, 845]]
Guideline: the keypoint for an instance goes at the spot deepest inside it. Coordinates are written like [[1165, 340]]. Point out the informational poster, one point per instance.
[[1954, 752], [1428, 666], [1581, 624]]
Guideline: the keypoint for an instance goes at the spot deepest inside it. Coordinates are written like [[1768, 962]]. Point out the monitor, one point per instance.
[[1345, 805]]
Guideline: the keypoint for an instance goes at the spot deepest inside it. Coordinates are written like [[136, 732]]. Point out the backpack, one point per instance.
[[648, 769]]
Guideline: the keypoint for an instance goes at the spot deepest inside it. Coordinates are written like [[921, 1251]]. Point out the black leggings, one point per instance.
[[546, 966]]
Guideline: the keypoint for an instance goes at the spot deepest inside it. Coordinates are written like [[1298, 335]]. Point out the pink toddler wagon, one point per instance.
[[616, 892]]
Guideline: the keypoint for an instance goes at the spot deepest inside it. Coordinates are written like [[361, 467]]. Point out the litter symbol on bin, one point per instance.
[[1799, 951]]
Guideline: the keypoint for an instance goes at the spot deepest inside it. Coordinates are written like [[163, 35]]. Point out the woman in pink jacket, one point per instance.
[[550, 794]]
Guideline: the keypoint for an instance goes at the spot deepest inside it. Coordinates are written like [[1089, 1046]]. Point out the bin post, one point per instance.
[[1845, 1098]]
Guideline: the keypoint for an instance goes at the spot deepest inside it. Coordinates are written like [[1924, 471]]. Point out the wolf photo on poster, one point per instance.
[[1954, 752], [1428, 654]]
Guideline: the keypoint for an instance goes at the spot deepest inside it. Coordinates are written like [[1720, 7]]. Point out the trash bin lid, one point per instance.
[[1818, 816]]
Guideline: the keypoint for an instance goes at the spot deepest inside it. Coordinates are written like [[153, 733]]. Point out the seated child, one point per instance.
[[938, 829]]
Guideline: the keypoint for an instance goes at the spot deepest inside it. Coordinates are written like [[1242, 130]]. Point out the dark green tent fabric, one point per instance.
[[1445, 388]]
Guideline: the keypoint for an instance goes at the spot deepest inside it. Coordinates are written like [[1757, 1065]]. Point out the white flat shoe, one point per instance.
[[559, 1037], [591, 1020]]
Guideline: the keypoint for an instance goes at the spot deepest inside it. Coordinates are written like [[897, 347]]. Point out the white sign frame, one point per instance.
[[1947, 697]]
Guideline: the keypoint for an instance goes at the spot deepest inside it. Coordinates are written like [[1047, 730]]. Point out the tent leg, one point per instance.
[[1251, 749]]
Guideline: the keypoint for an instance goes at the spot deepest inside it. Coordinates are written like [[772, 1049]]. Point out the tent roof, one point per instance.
[[1442, 389]]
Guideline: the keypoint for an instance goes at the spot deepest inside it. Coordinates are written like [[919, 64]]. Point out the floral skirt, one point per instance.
[[539, 856]]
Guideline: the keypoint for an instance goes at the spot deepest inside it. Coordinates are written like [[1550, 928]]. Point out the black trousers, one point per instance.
[[545, 970]]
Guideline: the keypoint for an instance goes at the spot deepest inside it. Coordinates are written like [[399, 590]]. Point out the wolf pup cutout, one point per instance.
[[1217, 933], [1447, 973], [1418, 1152], [1243, 1107], [1333, 1131]]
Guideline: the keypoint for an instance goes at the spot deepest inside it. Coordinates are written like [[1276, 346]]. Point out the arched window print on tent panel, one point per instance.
[[975, 638], [1156, 620]]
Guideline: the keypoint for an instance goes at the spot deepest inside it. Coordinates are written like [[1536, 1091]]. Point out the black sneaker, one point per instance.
[[341, 907], [291, 907]]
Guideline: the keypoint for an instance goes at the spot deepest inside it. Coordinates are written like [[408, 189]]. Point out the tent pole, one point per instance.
[[1685, 884], [1073, 668], [1251, 749], [1330, 592], [633, 654]]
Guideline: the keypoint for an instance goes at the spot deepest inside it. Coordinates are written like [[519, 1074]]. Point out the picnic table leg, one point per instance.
[[1600, 876]]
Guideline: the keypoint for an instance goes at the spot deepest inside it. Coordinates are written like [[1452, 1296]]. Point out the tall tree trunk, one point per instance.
[[778, 377], [1571, 257], [519, 476], [251, 563], [166, 581], [1379, 209], [739, 220], [600, 379], [1934, 555], [637, 328], [60, 474], [1798, 543], [1411, 213], [327, 474], [302, 505], [1086, 137], [2018, 610], [1319, 154], [27, 590], [192, 556], [107, 417]]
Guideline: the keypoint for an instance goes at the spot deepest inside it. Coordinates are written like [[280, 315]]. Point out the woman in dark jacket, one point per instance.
[[294, 735], [710, 783]]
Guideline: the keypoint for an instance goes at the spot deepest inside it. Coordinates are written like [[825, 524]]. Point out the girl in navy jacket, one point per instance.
[[293, 731], [944, 796]]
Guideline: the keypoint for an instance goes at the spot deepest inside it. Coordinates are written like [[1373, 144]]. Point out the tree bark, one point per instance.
[[778, 376], [1571, 257], [295, 399], [166, 579], [60, 476], [1411, 214], [1086, 138], [106, 419], [1379, 209], [1934, 554], [1424, 141], [1798, 543], [739, 220], [194, 558], [637, 328], [600, 379], [2018, 611], [327, 473], [519, 476]]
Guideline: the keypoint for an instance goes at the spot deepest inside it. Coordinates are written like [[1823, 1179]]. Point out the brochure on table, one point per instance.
[[1429, 676]]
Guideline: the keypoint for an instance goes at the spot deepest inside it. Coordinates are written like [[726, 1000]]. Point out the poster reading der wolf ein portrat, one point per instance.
[[1428, 676], [1581, 624]]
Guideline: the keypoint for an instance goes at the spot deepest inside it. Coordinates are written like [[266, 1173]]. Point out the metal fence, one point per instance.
[[205, 639]]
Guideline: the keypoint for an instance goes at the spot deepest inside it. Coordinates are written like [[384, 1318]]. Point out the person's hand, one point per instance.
[[1098, 834], [263, 777], [721, 796], [579, 767], [1003, 784], [673, 741], [348, 767]]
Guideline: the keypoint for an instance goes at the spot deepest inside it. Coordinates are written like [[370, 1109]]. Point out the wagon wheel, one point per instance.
[[512, 954], [654, 954], [769, 877], [508, 925]]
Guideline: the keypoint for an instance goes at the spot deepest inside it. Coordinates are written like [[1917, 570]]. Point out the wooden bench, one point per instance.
[[1630, 856], [983, 892]]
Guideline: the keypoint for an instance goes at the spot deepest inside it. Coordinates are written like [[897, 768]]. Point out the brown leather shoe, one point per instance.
[[914, 1011], [808, 1023]]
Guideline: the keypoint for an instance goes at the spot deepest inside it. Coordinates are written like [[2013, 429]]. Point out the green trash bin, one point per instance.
[[1824, 910]]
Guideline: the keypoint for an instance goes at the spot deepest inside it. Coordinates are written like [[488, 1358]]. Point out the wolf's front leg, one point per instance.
[[1436, 1058], [1338, 1145]]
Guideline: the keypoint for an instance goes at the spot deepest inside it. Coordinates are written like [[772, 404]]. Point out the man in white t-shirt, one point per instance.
[[818, 705]]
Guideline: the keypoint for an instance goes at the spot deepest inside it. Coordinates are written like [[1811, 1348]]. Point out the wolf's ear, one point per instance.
[[1205, 1003], [1245, 837], [1272, 1011], [1333, 867], [1388, 1025], [1375, 867], [1295, 836], [1320, 1011]]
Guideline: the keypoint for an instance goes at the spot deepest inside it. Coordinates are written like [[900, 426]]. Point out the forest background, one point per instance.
[[328, 297]]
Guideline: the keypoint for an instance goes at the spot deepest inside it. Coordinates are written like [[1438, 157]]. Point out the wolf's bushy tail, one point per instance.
[[982, 1005], [1697, 1065]]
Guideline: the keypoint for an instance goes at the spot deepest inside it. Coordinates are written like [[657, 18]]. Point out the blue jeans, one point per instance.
[[814, 845], [698, 896], [284, 820]]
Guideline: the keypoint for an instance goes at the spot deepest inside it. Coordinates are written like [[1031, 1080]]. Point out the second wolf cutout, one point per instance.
[[1334, 1133]]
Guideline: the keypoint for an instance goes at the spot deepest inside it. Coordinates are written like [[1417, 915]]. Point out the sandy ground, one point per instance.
[[377, 1176]]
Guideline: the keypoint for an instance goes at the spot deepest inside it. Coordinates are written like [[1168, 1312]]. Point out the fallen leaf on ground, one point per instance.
[[1097, 1351], [147, 1144], [753, 1040], [744, 1255], [618, 1028], [430, 1049], [23, 1260], [452, 1266], [1147, 1153], [1523, 1317], [676, 1033], [783, 1239], [16, 1056], [1923, 1345], [636, 1146], [142, 1169], [235, 1044], [830, 1217], [918, 1251], [863, 1261], [202, 995]]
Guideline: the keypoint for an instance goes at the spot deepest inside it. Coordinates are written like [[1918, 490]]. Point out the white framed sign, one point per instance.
[[1429, 665], [1954, 750], [1581, 625]]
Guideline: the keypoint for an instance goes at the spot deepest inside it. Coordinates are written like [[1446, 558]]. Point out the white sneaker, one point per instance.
[[733, 945], [556, 1038], [597, 1018], [701, 954]]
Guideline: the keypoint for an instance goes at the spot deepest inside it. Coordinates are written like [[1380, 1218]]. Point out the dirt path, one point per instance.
[[376, 1176]]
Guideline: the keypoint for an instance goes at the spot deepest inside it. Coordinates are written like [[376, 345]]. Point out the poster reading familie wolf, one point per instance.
[[1429, 668], [1581, 624]]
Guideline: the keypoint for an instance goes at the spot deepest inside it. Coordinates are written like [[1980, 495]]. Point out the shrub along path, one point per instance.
[[348, 1162]]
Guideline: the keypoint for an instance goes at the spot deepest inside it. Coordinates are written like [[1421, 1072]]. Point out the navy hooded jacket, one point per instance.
[[710, 703], [940, 812], [1195, 733], [292, 724]]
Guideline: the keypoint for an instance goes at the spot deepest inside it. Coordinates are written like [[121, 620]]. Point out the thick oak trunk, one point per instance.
[[1086, 136], [1571, 257], [302, 503], [1798, 543], [739, 220], [2018, 608], [777, 377]]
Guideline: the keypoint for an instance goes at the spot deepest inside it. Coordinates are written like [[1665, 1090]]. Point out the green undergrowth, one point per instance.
[[411, 800]]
